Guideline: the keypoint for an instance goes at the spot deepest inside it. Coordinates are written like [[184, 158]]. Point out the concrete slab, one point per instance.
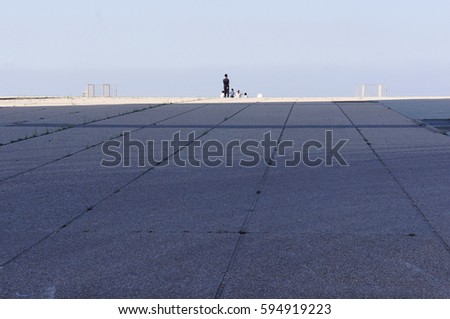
[[179, 200], [338, 266], [372, 113], [120, 265], [262, 114], [317, 114], [421, 108], [335, 201]]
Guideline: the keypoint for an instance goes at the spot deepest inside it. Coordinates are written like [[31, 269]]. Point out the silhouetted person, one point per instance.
[[226, 86]]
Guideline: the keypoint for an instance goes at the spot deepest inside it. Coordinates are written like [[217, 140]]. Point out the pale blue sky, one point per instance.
[[183, 47]]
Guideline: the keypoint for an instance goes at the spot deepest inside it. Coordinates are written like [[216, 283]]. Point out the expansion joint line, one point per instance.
[[267, 170], [397, 181], [243, 230]]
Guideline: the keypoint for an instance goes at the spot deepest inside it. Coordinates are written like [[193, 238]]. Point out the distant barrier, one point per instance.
[[108, 90], [371, 90]]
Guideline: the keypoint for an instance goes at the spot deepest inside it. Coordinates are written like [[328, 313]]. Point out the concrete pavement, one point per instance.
[[70, 228]]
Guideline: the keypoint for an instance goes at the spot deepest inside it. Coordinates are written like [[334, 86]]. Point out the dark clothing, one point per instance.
[[226, 87]]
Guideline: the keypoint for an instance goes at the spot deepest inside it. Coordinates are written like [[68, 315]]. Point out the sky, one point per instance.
[[184, 47]]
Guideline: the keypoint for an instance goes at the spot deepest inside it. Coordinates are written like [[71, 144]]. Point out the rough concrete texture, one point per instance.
[[376, 228]]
